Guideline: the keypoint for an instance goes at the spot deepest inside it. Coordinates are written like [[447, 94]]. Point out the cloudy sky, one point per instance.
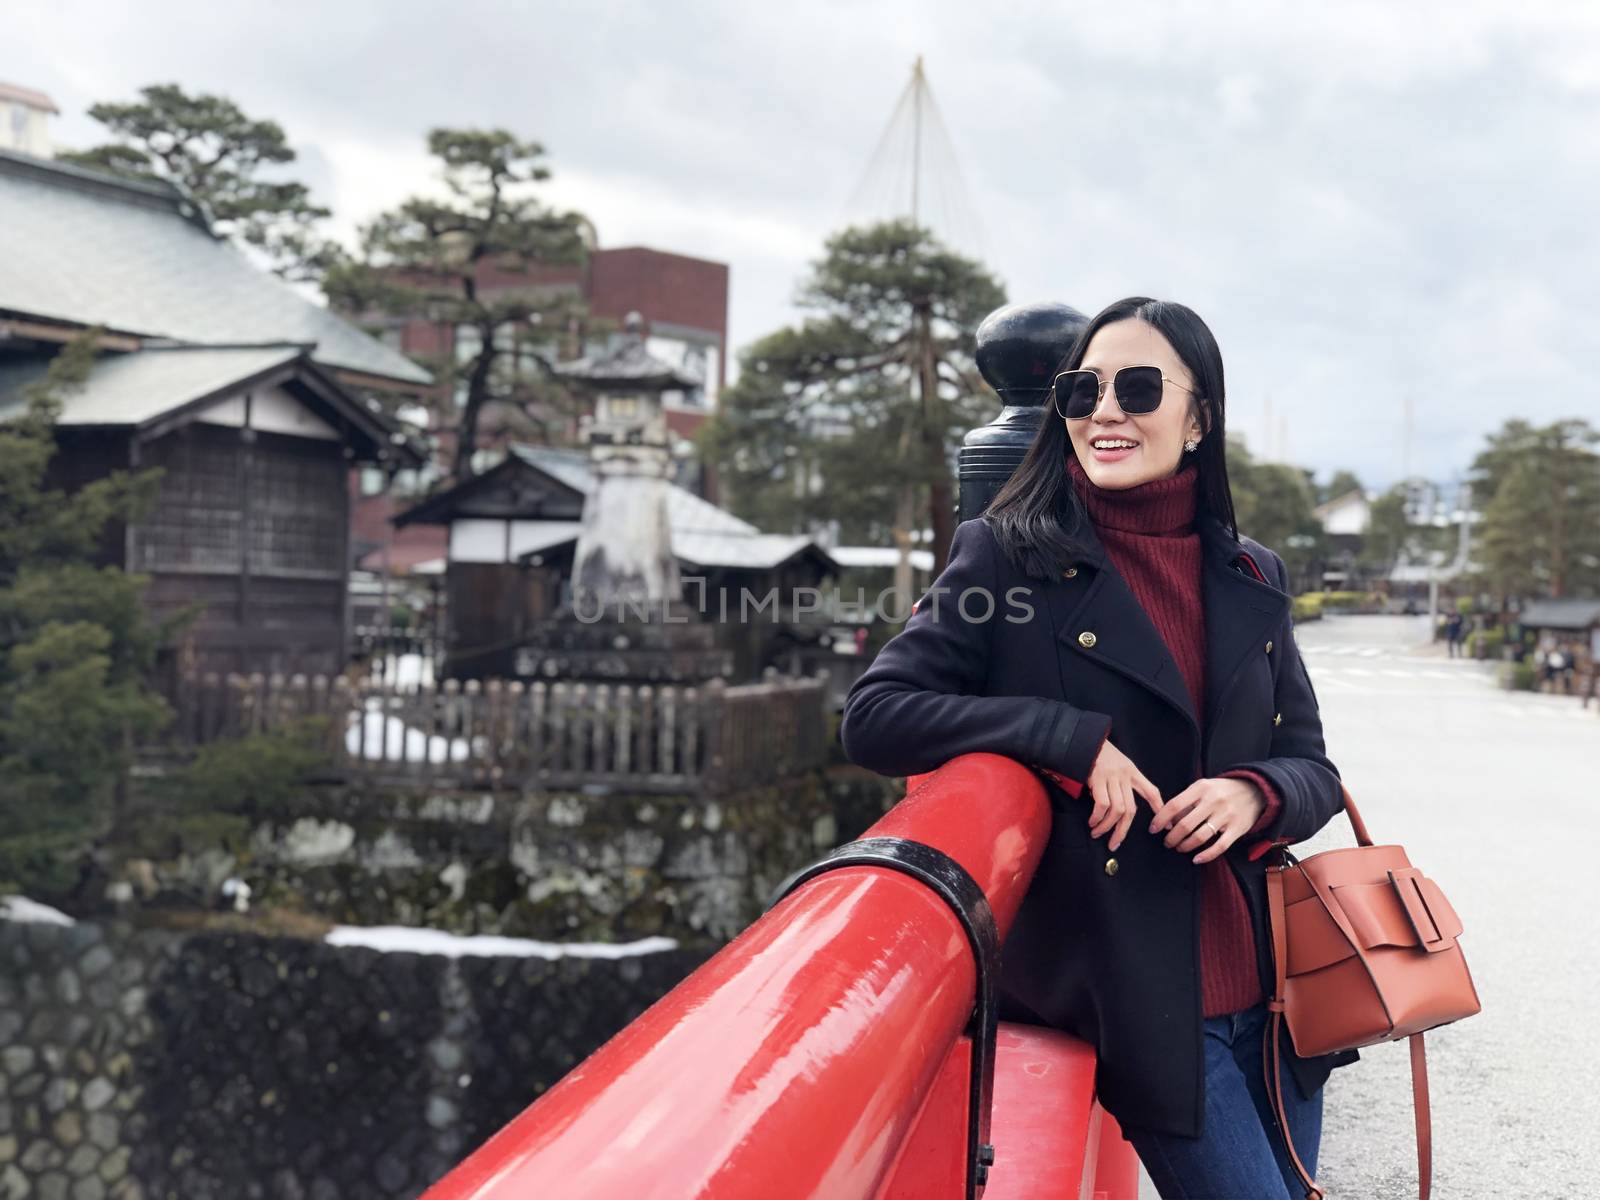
[[1372, 203]]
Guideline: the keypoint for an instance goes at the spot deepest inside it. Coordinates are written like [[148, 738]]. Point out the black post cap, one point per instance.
[[1018, 347]]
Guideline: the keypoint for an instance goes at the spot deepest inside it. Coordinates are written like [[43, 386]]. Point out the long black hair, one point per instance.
[[1037, 516]]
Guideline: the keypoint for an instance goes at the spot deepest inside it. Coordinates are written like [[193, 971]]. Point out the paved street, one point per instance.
[[1494, 794]]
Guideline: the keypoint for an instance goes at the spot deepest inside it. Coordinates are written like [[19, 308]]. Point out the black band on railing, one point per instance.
[[949, 879]]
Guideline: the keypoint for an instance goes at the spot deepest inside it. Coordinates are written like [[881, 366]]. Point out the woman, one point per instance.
[[1138, 652]]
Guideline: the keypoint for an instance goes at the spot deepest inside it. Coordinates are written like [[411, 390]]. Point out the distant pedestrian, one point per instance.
[[1545, 656], [1454, 632], [1567, 667]]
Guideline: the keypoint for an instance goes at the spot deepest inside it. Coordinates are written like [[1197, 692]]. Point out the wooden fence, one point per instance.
[[540, 736]]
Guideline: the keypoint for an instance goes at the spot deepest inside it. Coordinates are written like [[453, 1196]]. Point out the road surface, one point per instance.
[[1496, 795]]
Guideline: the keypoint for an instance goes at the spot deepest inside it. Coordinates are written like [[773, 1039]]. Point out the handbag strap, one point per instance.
[[1270, 1050], [1419, 1104], [1363, 838]]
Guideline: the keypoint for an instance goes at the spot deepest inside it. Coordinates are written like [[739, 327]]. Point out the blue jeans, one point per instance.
[[1239, 1154]]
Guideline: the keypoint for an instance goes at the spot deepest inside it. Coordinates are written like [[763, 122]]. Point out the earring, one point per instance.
[[1191, 445]]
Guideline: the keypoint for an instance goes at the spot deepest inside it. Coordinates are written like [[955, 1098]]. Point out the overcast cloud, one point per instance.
[[1366, 201]]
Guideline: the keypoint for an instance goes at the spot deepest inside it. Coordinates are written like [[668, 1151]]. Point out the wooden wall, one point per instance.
[[255, 532]]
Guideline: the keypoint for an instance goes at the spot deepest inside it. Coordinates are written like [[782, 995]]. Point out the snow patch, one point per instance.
[[405, 939], [376, 735], [311, 842], [20, 908]]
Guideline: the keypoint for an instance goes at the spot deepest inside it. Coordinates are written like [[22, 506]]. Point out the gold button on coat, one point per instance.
[[1070, 573], [1277, 718], [1111, 866], [1269, 647], [1087, 639]]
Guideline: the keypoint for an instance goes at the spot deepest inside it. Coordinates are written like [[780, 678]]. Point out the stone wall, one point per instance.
[[560, 866], [151, 1063]]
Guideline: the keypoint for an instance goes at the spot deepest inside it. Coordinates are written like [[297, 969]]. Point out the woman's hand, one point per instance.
[[1224, 809], [1113, 782]]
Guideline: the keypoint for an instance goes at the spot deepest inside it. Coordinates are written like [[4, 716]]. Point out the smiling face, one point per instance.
[[1101, 441]]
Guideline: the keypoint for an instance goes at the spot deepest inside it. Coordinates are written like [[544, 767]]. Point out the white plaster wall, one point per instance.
[[274, 411], [1348, 518], [483, 540], [478, 540]]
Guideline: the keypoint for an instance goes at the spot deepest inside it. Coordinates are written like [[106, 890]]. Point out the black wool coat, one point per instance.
[[1110, 957]]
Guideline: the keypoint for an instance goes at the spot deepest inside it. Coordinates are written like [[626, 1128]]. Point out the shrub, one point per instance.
[[255, 774], [1485, 643], [1346, 601], [1519, 676]]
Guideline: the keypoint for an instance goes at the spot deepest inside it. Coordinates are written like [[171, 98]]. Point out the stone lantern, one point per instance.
[[624, 554], [626, 619]]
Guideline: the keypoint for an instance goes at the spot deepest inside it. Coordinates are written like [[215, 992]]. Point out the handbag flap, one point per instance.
[[1406, 910]]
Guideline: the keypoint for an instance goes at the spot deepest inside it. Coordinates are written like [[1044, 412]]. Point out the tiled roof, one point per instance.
[[28, 96], [702, 533], [685, 511], [878, 556], [133, 390], [1561, 614], [737, 550], [84, 248], [570, 467], [130, 389]]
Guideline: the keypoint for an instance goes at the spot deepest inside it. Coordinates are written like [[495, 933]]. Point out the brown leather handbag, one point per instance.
[[1365, 951]]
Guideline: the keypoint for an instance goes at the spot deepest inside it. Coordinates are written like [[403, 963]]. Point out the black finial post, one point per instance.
[[1018, 347]]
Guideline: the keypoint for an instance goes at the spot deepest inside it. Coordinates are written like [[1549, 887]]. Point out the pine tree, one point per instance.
[[216, 153], [76, 647], [1389, 532], [1541, 523], [1341, 483], [1274, 504], [425, 257], [853, 415]]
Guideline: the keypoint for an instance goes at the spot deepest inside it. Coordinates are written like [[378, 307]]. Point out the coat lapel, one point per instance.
[[1098, 601], [1241, 614]]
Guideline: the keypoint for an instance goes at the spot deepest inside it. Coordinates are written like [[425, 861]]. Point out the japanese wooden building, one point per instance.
[[512, 534], [252, 521], [253, 401]]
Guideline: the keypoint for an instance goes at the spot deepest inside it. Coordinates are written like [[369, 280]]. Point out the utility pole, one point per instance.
[[1405, 441]]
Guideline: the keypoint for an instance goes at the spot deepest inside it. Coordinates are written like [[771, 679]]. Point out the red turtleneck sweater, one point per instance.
[[1149, 533]]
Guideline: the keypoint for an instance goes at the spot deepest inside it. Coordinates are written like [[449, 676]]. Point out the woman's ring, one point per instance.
[[1215, 832]]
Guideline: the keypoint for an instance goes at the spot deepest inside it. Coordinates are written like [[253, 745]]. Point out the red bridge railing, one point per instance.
[[837, 1047]]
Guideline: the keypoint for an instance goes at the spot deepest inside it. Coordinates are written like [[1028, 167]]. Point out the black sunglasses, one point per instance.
[[1138, 391]]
